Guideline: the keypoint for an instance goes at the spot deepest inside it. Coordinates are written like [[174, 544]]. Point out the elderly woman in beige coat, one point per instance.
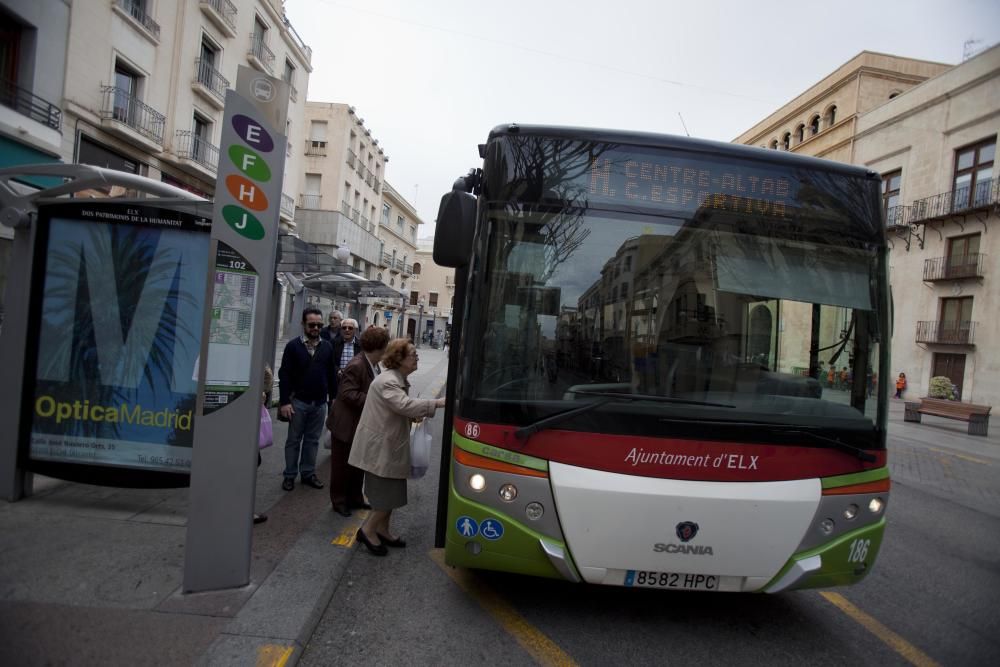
[[381, 444]]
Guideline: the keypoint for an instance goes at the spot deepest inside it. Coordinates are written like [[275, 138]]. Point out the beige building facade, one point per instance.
[[933, 141], [146, 83], [433, 294], [398, 227]]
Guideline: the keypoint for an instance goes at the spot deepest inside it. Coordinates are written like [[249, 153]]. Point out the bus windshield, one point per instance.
[[731, 325]]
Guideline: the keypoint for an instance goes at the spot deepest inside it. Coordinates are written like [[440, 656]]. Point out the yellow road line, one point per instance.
[[273, 655], [960, 456], [910, 652], [346, 538], [541, 648]]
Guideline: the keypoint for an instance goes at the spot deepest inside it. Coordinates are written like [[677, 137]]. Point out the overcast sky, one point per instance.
[[432, 77]]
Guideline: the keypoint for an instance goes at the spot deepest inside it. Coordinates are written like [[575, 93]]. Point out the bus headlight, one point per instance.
[[875, 505], [851, 512], [534, 511], [508, 492], [477, 482]]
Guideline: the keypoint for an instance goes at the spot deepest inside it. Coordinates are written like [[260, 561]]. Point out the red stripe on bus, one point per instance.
[[674, 458]]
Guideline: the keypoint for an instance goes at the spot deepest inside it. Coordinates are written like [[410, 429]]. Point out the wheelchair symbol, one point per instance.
[[491, 529]]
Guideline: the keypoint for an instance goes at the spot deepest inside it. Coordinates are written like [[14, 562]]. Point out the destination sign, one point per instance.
[[674, 181]]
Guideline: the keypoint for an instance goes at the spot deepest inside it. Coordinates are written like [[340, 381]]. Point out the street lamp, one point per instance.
[[420, 319]]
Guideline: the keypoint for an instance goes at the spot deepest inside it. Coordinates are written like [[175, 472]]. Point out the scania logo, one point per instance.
[[686, 530]]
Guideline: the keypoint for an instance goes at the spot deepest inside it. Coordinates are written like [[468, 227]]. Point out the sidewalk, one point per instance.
[[92, 575]]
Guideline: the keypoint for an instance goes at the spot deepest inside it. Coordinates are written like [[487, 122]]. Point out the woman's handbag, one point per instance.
[[266, 432], [420, 449]]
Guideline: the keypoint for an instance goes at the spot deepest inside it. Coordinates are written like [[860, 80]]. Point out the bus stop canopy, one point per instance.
[[322, 273]]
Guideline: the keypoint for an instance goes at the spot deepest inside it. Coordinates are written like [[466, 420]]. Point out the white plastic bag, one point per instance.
[[420, 449]]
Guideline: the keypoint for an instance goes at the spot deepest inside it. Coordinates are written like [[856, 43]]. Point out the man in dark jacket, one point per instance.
[[331, 333], [348, 345], [308, 377]]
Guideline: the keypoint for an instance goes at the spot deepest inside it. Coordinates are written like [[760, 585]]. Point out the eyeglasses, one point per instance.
[[347, 328], [314, 325]]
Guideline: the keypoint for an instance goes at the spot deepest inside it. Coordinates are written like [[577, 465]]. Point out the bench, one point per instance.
[[978, 416]]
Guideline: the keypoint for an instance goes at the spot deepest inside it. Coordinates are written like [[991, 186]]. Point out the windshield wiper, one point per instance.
[[609, 397], [837, 444]]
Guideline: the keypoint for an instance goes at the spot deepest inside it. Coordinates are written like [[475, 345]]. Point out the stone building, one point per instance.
[[398, 268], [930, 131], [432, 293]]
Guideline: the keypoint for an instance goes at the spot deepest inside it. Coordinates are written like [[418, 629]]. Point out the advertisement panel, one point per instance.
[[117, 341]]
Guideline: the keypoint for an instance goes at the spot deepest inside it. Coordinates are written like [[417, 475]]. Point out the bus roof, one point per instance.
[[672, 141]]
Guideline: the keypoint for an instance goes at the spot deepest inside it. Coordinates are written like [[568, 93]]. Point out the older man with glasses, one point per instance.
[[348, 345], [308, 377]]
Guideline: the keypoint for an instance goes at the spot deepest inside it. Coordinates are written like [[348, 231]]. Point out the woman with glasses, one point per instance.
[[382, 443]]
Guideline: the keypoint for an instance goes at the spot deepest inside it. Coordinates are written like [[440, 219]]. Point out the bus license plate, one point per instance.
[[674, 580]]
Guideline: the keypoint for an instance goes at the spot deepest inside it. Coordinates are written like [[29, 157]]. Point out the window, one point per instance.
[[786, 141], [831, 115], [774, 144], [201, 138], [890, 196], [413, 298], [289, 74], [963, 256], [259, 35], [956, 320], [317, 133], [814, 125], [386, 210], [416, 268], [974, 174], [126, 93], [432, 299], [208, 65], [399, 222], [413, 233], [800, 133]]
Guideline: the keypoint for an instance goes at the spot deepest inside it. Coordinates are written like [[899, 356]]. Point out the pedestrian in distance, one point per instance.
[[353, 384], [382, 443], [900, 385], [331, 332], [308, 377]]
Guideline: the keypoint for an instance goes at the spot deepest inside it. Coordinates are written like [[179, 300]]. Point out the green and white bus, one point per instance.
[[669, 363]]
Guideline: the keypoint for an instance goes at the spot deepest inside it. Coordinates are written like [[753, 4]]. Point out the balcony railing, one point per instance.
[[211, 78], [260, 51], [345, 208], [137, 10], [897, 216], [355, 214], [947, 332], [386, 259], [378, 186], [225, 10], [961, 200], [408, 269], [370, 179], [315, 147], [287, 205], [192, 147], [126, 108], [365, 222], [350, 158], [954, 268], [310, 201], [27, 104]]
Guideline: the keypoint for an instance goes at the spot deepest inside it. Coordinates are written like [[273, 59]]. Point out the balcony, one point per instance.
[[386, 260], [311, 201], [222, 13], [125, 115], [954, 268], [407, 269], [260, 56], [135, 12], [365, 222], [947, 333], [287, 207], [32, 106], [195, 152], [370, 179], [378, 186], [345, 208], [395, 265], [315, 148], [350, 158], [210, 83], [957, 202], [897, 216]]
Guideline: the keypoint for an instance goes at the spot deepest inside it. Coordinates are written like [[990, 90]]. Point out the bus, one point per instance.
[[669, 363]]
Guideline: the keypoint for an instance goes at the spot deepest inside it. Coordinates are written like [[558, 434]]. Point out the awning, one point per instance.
[[322, 273]]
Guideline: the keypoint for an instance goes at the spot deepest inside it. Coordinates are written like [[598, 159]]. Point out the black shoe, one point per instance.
[[375, 549], [288, 484], [259, 518], [342, 510], [398, 543], [360, 506], [313, 482]]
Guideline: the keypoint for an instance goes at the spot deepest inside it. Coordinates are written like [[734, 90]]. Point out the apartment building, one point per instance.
[[934, 143], [32, 75], [433, 293], [398, 267], [146, 83], [341, 194]]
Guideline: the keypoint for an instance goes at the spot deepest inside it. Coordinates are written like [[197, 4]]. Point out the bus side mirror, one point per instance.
[[456, 222]]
